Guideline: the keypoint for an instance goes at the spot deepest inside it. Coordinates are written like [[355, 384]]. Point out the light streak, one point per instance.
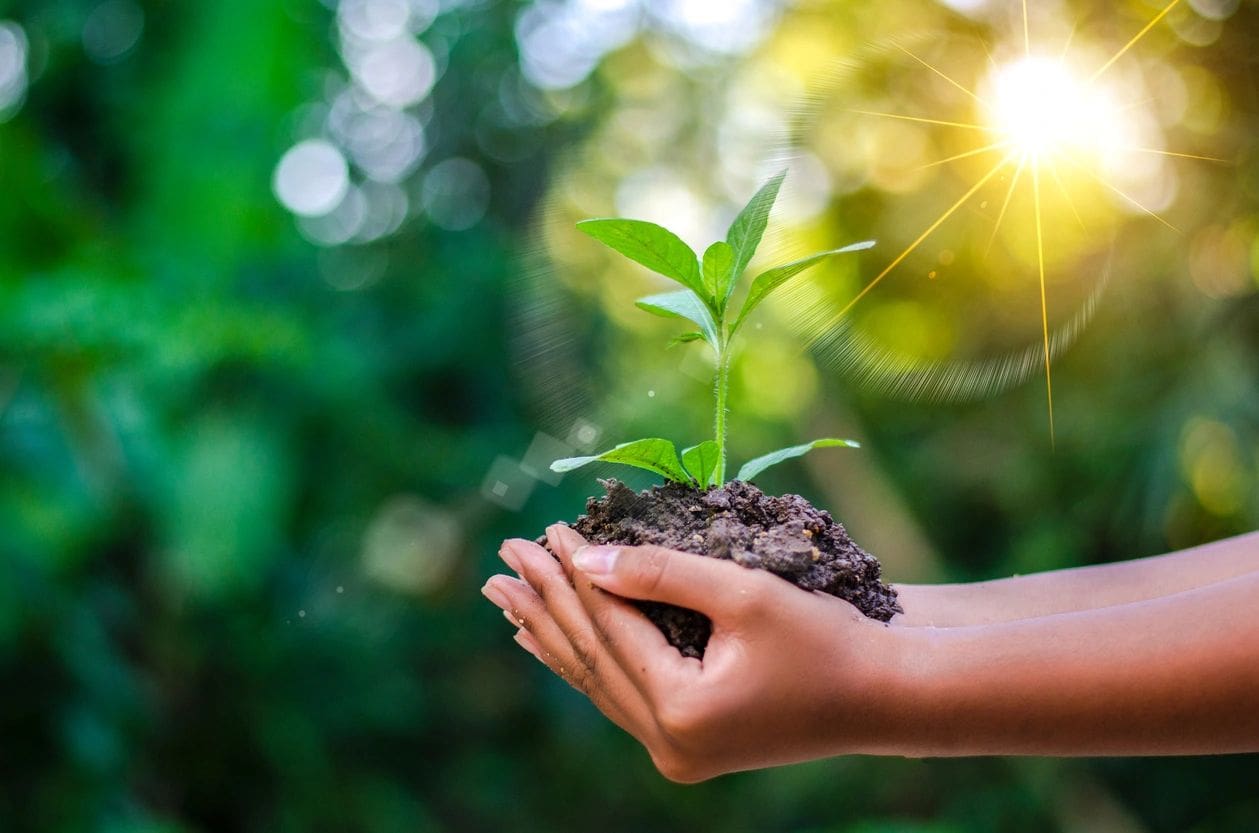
[[1100, 72], [931, 229], [1044, 304]]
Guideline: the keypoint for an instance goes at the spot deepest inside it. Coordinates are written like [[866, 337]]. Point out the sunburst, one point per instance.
[[1038, 114]]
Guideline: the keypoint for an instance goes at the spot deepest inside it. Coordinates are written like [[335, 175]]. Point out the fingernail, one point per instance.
[[524, 640], [509, 557], [498, 597], [596, 561]]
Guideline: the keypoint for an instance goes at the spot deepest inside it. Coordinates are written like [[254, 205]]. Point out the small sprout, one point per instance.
[[708, 285]]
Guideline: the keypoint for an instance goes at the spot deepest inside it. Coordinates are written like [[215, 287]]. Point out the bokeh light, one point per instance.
[[13, 77], [375, 119], [312, 178], [455, 194], [411, 545], [112, 30], [397, 73]]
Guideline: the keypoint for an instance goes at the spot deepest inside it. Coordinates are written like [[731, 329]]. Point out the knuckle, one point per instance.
[[550, 587], [745, 603], [754, 597], [604, 618], [583, 650], [678, 768], [652, 567], [609, 630], [677, 720], [581, 679]]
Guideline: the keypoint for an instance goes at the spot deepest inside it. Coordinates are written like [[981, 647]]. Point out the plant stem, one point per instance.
[[721, 384]]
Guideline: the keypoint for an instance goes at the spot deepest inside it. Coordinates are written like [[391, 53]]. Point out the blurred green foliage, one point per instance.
[[254, 468]]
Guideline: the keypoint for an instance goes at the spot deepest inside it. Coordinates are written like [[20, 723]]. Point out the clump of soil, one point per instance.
[[785, 535]]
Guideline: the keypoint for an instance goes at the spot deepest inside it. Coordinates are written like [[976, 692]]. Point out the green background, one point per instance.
[[252, 475]]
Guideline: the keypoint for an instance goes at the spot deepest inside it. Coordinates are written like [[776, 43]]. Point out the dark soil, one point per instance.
[[785, 535]]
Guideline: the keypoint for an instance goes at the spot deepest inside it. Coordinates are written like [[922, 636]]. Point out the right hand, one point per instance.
[[788, 675]]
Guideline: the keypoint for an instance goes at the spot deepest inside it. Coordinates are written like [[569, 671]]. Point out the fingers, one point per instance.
[[526, 641], [546, 576], [712, 586], [522, 608], [564, 541], [540, 636], [596, 672], [639, 648]]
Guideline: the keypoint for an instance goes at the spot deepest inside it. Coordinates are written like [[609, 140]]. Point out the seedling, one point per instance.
[[704, 300], [785, 535]]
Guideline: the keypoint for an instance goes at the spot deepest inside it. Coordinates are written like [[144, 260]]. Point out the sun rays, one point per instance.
[[1040, 115]]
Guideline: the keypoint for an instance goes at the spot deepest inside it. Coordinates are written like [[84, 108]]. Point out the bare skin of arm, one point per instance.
[[790, 675], [1082, 588]]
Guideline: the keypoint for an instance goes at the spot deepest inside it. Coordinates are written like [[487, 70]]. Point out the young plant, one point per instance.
[[704, 300]]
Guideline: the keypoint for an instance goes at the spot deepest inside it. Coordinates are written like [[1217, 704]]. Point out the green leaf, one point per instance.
[[718, 263], [701, 461], [655, 247], [754, 467], [771, 279], [747, 229], [682, 304], [653, 454]]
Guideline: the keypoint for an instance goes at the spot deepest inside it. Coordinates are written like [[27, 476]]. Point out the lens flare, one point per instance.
[[1039, 106], [1043, 122]]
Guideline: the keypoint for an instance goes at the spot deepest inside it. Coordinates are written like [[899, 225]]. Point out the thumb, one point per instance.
[[652, 573]]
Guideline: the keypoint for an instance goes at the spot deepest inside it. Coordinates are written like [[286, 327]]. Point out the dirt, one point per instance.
[[785, 535]]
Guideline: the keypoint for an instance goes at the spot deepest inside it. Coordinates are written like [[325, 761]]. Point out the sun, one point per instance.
[[1038, 106]]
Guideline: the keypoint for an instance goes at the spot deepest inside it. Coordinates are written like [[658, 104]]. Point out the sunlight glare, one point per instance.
[[1040, 107]]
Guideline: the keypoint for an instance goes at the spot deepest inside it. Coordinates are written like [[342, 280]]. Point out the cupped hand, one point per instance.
[[788, 675]]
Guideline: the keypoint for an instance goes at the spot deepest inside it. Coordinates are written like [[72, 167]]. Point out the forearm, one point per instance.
[[1081, 588], [1174, 675]]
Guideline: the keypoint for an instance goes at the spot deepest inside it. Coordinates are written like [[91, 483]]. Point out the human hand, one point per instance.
[[788, 675]]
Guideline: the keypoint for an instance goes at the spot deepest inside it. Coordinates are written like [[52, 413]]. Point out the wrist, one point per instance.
[[902, 706], [931, 702], [972, 690]]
